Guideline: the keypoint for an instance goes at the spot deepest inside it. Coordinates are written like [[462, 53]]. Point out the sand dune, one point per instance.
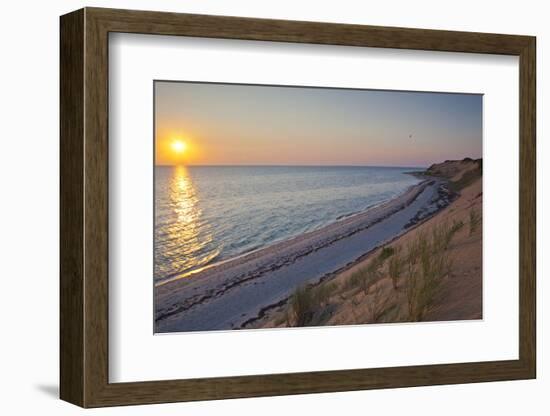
[[350, 298]]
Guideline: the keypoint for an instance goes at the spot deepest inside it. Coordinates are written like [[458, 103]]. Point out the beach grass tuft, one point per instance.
[[475, 219], [427, 265], [377, 304], [323, 292], [309, 301], [370, 275], [395, 267], [386, 253], [302, 304]]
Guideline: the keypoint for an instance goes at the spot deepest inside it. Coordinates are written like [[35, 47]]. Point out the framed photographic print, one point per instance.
[[255, 207]]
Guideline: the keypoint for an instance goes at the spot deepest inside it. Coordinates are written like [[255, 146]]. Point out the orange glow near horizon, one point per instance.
[[231, 124], [175, 149]]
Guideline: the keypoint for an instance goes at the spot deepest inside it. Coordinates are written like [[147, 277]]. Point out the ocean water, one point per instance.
[[206, 214]]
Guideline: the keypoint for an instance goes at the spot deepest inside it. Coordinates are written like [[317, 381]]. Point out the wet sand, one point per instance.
[[230, 294]]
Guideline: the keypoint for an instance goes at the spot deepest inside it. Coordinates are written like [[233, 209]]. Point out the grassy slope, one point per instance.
[[441, 280]]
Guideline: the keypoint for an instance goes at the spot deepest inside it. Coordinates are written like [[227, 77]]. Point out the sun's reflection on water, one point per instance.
[[184, 199], [187, 242]]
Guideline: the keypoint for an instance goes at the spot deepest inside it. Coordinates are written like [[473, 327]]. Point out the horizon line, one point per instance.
[[313, 165], [290, 165]]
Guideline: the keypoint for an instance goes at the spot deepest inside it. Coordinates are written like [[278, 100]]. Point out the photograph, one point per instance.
[[298, 206]]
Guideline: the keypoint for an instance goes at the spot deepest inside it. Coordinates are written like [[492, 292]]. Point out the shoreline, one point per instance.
[[275, 245], [373, 290], [263, 313], [197, 303]]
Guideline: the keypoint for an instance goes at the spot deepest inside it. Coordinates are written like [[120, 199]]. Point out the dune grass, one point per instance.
[[365, 277], [475, 219], [377, 304], [420, 267], [395, 267], [307, 301], [427, 263], [386, 253], [302, 305]]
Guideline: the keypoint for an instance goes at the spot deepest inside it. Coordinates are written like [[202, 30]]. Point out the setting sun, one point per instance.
[[179, 146], [174, 147]]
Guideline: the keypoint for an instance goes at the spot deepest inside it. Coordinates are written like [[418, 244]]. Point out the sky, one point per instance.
[[234, 124]]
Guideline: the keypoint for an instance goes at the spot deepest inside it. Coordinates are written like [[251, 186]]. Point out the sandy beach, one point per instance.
[[370, 291], [253, 290]]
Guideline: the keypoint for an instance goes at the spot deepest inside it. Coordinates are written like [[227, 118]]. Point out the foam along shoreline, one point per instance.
[[227, 295]]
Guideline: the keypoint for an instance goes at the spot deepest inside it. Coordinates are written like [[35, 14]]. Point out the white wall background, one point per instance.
[[29, 206]]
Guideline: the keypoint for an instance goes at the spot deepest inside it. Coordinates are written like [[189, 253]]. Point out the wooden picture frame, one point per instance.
[[84, 207]]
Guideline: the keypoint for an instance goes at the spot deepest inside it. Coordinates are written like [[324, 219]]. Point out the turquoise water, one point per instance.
[[205, 214]]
